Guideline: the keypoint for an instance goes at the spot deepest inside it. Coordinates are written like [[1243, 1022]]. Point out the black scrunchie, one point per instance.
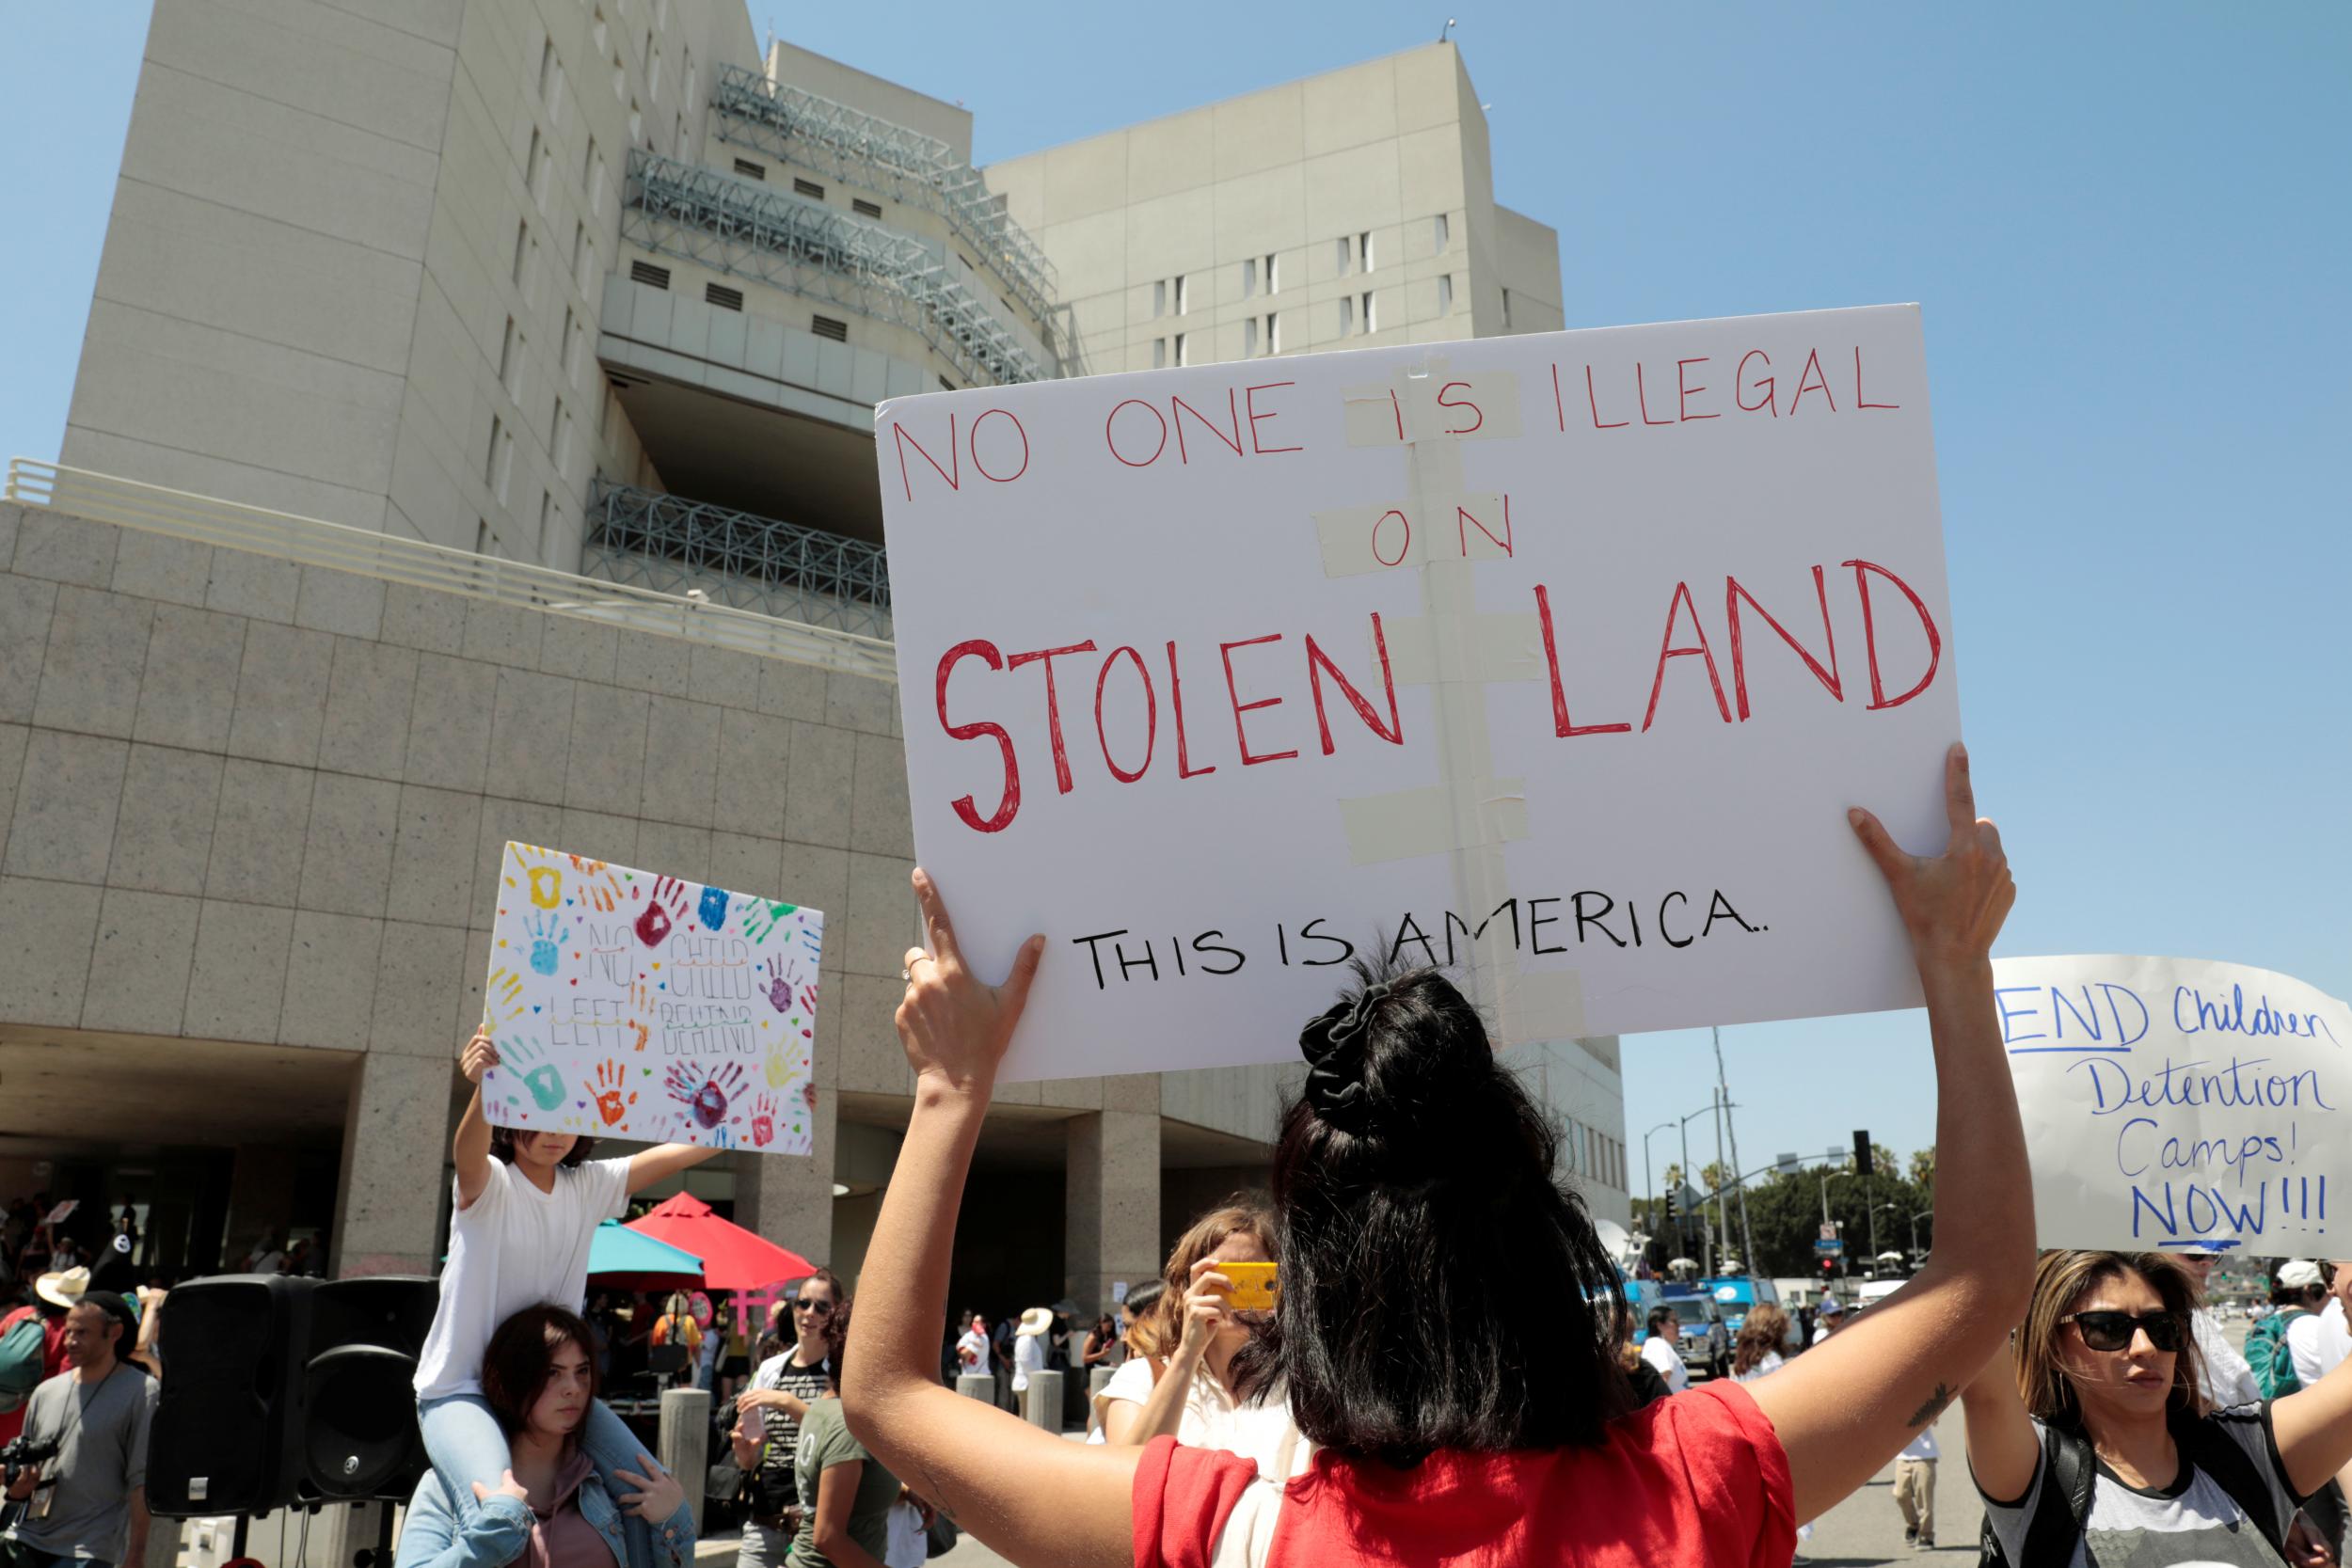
[[1333, 1044]]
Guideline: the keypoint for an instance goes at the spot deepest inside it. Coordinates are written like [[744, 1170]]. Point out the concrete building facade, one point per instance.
[[568, 305]]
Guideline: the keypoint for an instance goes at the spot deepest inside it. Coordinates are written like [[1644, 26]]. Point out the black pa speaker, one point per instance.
[[227, 1430], [360, 1436]]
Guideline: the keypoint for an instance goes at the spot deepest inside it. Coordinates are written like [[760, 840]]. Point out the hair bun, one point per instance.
[[1333, 1044]]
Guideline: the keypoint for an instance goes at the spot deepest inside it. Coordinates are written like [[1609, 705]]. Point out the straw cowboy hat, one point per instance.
[[1037, 1320], [65, 1289]]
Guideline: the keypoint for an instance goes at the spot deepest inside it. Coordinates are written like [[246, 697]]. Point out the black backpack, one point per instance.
[[2068, 1468]]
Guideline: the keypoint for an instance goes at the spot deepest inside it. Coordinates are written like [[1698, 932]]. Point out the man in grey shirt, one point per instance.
[[86, 1506]]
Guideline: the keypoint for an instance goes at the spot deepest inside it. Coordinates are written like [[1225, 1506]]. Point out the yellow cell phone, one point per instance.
[[1254, 1286]]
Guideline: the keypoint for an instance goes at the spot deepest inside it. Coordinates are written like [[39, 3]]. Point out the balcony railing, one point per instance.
[[738, 227], [670, 544], [310, 542], [896, 162]]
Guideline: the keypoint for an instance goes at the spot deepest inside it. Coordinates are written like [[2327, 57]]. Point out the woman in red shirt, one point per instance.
[[1427, 1256]]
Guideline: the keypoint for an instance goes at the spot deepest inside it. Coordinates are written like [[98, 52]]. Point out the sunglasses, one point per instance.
[[822, 1308], [2112, 1331]]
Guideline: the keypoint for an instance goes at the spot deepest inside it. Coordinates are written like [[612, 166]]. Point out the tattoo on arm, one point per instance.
[[938, 1496], [1932, 1408]]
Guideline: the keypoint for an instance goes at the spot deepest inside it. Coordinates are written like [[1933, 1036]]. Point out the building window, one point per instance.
[[653, 78], [1445, 293], [546, 520], [494, 461], [751, 171], [723, 296], [1250, 338], [587, 266], [1159, 298], [573, 338], [547, 68], [1371, 324], [1273, 333], [1507, 309], [485, 541], [826, 326], [1180, 349], [1273, 275], [945, 385], [1440, 232], [538, 169], [563, 438], [809, 188], [592, 175], [863, 208], [511, 360], [649, 275], [1159, 354], [531, 273], [522, 246], [1347, 315], [1363, 248], [555, 419], [1181, 296], [1344, 256], [596, 31], [1248, 276], [636, 124]]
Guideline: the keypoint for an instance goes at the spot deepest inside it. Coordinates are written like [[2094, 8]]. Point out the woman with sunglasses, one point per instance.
[[1447, 1304], [783, 1388], [2094, 1441]]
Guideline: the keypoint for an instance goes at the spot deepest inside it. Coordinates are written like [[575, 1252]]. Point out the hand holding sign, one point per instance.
[[1953, 905], [954, 1025]]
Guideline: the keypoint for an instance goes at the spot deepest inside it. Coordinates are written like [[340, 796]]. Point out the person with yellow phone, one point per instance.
[[1181, 1383]]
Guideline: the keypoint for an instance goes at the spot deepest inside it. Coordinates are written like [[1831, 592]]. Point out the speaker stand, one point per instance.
[[380, 1555], [236, 1540]]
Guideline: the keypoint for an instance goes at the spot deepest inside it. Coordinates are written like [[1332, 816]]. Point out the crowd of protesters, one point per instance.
[[1448, 1369]]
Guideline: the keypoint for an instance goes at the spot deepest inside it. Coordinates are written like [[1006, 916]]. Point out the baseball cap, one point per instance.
[[2299, 1274]]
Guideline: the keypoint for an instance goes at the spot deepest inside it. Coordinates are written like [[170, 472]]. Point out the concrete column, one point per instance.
[[1040, 1401], [261, 1197], [396, 1130], [977, 1385], [789, 1199], [1111, 1209], [685, 1443]]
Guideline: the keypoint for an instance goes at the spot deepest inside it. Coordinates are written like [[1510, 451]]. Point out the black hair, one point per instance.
[[502, 1148], [1144, 1297], [1441, 1286]]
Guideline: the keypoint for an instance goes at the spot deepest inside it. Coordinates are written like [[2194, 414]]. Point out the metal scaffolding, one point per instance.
[[669, 543], [738, 227], [905, 165]]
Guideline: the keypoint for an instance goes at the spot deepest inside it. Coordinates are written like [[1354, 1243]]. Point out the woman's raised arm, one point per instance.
[[1843, 1409], [1027, 1494]]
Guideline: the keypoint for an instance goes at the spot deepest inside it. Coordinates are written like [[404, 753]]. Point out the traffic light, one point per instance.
[[1670, 1208], [1862, 1151], [1829, 1265]]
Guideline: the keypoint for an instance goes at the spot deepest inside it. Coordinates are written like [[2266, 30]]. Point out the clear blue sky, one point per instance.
[[2127, 226]]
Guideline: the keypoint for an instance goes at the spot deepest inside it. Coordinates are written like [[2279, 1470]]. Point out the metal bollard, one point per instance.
[[1041, 1401], [977, 1385], [685, 1443]]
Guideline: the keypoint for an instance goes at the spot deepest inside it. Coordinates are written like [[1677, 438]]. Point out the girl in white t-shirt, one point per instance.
[[527, 1206], [1180, 1384]]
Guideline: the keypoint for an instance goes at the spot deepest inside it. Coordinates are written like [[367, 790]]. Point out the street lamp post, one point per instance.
[[1922, 1215], [1706, 1110], [1649, 1175], [1890, 1207]]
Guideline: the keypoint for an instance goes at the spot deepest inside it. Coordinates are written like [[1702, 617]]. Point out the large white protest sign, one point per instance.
[[633, 1004], [2172, 1102], [1560, 657]]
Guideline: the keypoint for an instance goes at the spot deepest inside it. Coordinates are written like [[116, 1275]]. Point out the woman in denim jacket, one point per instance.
[[538, 1377]]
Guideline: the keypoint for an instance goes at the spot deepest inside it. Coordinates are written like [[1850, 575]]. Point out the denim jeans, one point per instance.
[[463, 1439]]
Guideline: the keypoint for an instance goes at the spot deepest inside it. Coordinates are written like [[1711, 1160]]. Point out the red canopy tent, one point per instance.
[[734, 1259]]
